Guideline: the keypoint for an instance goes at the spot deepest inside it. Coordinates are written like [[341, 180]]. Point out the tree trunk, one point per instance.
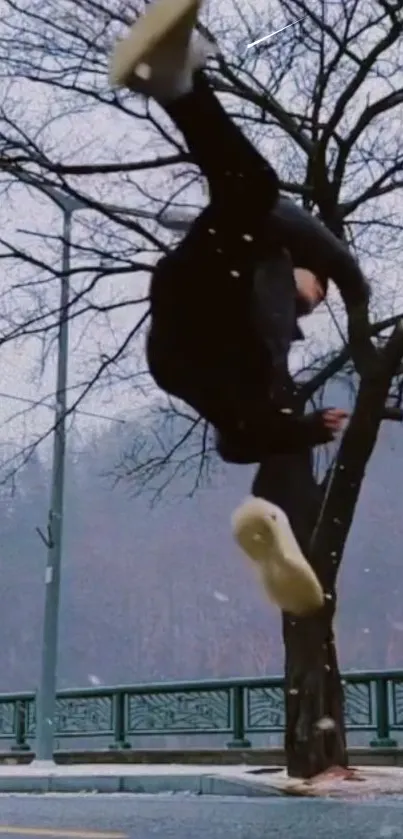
[[315, 733], [315, 737], [313, 689]]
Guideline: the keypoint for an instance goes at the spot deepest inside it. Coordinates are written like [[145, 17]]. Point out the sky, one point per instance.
[[95, 133]]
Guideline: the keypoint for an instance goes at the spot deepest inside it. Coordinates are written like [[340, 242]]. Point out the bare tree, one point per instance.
[[328, 93]]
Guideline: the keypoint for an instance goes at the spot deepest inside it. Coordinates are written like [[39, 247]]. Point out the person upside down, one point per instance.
[[225, 302]]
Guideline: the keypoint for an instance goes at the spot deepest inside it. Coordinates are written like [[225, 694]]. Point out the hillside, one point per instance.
[[162, 593]]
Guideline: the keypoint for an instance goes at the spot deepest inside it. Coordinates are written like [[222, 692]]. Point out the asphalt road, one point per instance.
[[186, 817]]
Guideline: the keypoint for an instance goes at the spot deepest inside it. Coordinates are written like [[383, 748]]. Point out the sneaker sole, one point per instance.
[[263, 532], [159, 20]]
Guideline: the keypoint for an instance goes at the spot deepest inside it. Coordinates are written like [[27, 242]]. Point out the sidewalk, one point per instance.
[[138, 778], [360, 783]]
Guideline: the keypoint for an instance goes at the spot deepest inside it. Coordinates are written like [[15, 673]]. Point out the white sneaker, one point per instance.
[[161, 53], [263, 531]]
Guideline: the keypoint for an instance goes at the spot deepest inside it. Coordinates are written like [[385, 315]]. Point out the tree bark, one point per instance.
[[315, 736], [321, 518], [313, 689]]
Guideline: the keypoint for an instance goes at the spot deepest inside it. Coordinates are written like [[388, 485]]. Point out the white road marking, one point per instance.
[[57, 833]]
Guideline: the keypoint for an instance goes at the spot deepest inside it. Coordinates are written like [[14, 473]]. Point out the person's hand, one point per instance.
[[323, 426], [334, 419]]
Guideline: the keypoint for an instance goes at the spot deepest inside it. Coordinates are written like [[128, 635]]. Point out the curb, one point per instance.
[[270, 757], [140, 784]]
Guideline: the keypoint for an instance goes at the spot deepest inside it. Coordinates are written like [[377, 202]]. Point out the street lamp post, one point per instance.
[[47, 685], [46, 695], [46, 704]]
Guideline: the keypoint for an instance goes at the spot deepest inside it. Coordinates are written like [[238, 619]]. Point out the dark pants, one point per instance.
[[223, 304], [289, 482]]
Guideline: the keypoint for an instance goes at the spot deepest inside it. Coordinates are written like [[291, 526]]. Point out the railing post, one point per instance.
[[119, 721], [239, 740], [20, 727], [382, 739]]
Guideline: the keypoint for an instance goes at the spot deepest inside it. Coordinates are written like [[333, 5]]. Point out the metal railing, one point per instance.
[[237, 709]]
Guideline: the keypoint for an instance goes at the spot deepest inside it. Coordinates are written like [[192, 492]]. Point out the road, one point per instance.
[[186, 817]]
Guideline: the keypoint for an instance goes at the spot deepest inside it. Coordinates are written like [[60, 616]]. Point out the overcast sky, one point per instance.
[[99, 134]]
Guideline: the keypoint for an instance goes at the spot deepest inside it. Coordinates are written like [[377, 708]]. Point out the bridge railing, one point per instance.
[[237, 709]]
